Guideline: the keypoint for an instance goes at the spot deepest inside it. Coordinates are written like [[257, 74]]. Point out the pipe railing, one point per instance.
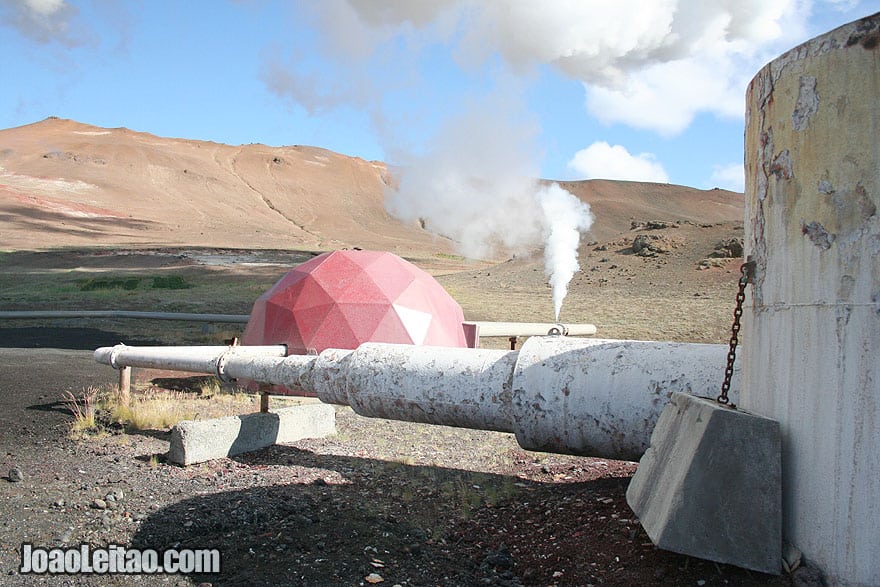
[[486, 329], [125, 314]]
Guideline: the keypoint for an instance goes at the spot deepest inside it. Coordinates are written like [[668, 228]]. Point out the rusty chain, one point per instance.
[[746, 270]]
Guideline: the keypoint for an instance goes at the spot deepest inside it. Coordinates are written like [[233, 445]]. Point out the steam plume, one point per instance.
[[476, 185], [565, 218], [475, 182]]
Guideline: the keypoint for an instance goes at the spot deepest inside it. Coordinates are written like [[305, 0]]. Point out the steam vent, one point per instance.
[[812, 321]]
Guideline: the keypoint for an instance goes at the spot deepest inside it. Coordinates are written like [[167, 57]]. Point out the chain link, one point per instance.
[[746, 270]]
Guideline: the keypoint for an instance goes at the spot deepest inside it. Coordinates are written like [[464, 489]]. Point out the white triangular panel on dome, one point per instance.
[[416, 322]]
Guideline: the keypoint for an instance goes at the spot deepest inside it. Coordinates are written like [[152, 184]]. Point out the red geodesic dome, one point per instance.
[[345, 298]]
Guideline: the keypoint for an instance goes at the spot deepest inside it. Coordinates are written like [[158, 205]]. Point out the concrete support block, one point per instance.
[[709, 486], [196, 441]]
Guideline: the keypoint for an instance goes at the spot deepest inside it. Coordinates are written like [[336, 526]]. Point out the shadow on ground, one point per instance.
[[76, 338], [356, 517]]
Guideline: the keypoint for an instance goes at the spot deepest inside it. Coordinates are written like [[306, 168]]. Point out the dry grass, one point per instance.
[[83, 408], [155, 408], [152, 408]]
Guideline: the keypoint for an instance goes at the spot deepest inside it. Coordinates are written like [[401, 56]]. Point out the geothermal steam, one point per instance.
[[565, 218], [535, 214], [476, 185]]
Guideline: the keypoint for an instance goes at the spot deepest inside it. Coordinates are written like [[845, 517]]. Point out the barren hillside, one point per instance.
[[63, 184]]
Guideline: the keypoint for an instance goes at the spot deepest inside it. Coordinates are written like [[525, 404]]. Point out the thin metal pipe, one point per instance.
[[112, 314], [509, 329], [487, 329]]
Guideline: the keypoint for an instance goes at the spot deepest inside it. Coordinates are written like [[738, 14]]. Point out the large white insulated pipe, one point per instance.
[[578, 396], [812, 318]]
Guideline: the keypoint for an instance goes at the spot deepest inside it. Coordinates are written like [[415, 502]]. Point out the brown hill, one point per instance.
[[67, 184], [63, 183], [617, 204]]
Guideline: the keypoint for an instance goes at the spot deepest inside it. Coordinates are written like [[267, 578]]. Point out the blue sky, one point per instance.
[[630, 89]]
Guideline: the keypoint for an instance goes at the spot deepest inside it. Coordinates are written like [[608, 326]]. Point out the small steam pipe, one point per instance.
[[489, 329], [578, 396], [486, 329], [195, 359]]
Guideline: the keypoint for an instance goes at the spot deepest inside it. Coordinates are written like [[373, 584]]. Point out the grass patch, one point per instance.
[[449, 256], [170, 282], [163, 282], [107, 283], [152, 410]]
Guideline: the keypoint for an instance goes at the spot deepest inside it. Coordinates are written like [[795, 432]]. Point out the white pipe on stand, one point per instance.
[[578, 396], [499, 329], [195, 359]]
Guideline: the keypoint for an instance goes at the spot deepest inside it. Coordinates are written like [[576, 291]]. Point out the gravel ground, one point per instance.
[[403, 503]]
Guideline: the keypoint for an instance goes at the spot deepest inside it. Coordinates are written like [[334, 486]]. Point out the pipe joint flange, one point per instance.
[[558, 330], [220, 368], [114, 355]]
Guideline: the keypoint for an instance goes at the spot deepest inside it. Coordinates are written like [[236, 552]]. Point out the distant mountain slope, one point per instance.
[[66, 183], [616, 204], [63, 183]]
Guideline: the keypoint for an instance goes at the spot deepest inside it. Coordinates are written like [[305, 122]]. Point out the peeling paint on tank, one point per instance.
[[781, 165], [818, 235], [807, 102], [867, 35], [853, 208]]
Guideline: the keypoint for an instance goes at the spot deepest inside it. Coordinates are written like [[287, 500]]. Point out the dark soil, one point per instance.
[[69, 337]]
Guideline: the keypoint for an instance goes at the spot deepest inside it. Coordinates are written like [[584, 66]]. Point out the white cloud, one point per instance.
[[43, 21], [603, 161], [666, 97], [730, 177], [44, 8], [725, 49], [652, 64]]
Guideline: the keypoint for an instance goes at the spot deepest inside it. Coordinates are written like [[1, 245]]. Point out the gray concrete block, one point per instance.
[[710, 485], [196, 441]]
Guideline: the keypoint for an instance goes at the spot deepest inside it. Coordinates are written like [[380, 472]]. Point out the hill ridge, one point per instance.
[[65, 183]]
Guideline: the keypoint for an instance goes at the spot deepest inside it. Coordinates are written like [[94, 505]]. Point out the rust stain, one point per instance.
[[781, 165], [867, 33], [818, 235]]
